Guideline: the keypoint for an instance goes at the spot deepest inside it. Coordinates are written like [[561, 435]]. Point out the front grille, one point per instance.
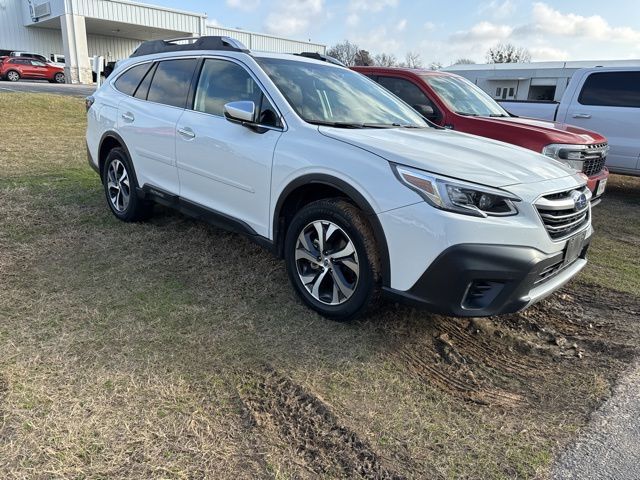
[[561, 214], [593, 166], [594, 158]]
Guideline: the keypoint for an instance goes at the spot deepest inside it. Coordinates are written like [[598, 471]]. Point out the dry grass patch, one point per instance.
[[139, 350]]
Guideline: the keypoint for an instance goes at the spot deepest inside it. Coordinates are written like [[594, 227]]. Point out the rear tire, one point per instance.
[[120, 185], [12, 76], [332, 259]]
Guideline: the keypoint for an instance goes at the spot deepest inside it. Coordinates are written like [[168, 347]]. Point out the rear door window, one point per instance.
[[171, 82], [129, 80], [611, 89]]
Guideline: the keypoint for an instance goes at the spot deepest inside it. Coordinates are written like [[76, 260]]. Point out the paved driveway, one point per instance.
[[46, 87]]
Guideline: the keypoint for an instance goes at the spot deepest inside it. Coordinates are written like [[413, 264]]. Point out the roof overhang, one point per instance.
[[109, 28]]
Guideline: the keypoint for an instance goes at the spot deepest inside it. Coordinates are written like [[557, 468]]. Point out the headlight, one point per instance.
[[572, 155], [457, 196]]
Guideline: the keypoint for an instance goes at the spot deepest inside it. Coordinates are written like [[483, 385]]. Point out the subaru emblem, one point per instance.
[[579, 200]]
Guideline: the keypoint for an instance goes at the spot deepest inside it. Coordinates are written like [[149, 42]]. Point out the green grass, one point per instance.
[[171, 349]]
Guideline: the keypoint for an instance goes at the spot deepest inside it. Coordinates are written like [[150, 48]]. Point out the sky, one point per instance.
[[442, 31]]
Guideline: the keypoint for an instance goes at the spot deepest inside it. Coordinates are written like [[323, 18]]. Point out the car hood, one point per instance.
[[454, 154], [555, 132]]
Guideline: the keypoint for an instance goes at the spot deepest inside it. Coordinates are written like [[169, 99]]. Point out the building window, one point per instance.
[[498, 92], [511, 91]]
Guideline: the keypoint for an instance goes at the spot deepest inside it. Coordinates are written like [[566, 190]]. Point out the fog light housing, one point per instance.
[[481, 293]]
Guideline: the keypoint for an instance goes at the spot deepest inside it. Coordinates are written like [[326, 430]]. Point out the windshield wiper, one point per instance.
[[467, 114], [498, 115], [357, 125]]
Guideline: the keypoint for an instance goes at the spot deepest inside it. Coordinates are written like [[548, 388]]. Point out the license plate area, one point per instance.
[[573, 248], [602, 184]]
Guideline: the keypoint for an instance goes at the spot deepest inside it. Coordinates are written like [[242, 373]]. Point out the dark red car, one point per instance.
[[15, 68], [453, 102]]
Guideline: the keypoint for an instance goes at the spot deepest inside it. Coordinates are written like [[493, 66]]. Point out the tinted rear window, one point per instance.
[[613, 89], [171, 82], [129, 80]]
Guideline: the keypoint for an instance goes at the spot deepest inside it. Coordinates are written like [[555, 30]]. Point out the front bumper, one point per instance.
[[476, 280]]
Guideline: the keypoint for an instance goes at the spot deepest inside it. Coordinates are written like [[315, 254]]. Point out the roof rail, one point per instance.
[[321, 57], [189, 43]]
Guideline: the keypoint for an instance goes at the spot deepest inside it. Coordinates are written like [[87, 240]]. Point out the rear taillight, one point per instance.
[[89, 101]]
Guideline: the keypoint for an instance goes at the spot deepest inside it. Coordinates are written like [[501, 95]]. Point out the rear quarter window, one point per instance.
[[611, 89], [129, 80]]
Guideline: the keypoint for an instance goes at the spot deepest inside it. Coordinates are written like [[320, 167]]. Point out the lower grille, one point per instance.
[[564, 213]]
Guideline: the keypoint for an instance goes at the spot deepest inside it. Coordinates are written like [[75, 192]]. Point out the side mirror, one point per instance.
[[242, 111], [426, 111]]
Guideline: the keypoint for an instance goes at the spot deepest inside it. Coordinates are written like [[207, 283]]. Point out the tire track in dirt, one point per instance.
[[504, 360], [305, 423]]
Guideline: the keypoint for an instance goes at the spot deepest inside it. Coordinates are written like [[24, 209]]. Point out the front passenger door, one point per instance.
[[225, 166]]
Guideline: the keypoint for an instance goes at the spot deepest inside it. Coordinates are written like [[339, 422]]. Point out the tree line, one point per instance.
[[352, 55]]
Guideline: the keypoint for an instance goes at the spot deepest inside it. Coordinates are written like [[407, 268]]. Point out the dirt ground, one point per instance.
[[171, 349]]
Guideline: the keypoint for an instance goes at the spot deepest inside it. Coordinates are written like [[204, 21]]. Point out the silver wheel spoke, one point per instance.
[[350, 264], [345, 252], [341, 283], [302, 253], [308, 278], [320, 231], [315, 291]]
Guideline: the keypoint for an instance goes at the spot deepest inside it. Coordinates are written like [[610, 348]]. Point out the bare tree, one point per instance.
[[413, 60], [464, 61], [364, 59], [435, 66], [386, 60], [508, 53], [346, 52]]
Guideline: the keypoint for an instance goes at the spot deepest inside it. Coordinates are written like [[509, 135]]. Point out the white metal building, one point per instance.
[[540, 81], [80, 29]]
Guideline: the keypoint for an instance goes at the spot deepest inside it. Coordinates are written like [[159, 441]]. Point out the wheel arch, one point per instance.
[[316, 186], [108, 142]]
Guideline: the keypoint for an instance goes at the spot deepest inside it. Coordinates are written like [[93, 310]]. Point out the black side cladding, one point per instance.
[[202, 43]]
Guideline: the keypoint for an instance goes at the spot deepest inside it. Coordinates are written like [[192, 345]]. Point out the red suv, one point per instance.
[[453, 102], [15, 68]]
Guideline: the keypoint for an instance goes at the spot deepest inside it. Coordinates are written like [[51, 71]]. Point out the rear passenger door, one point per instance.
[[609, 103], [156, 95], [225, 166]]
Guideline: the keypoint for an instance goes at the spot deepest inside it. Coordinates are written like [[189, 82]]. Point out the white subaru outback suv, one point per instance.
[[327, 169]]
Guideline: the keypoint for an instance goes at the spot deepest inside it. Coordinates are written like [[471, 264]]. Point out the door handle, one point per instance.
[[581, 115], [128, 117], [187, 133]]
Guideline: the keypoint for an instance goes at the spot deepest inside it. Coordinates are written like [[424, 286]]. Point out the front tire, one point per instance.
[[332, 260], [118, 179], [59, 78]]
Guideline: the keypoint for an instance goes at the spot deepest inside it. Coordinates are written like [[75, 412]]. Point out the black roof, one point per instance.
[[189, 43]]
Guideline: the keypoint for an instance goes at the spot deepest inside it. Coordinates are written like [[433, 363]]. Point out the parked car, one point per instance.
[[15, 68], [332, 172], [453, 102], [605, 99]]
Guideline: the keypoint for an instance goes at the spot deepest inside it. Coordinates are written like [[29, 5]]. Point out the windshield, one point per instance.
[[464, 97], [329, 95]]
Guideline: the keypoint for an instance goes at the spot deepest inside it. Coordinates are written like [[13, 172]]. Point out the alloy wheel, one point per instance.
[[59, 78], [13, 76], [118, 186], [327, 262]]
